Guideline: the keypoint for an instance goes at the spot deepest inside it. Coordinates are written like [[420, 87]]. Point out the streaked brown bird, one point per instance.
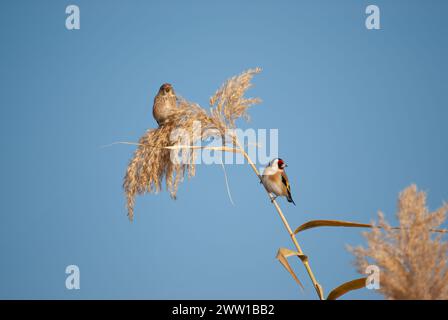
[[276, 181], [164, 103]]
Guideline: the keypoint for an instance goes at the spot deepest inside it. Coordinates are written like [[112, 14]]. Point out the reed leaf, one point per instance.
[[330, 223], [347, 287], [283, 254], [337, 223]]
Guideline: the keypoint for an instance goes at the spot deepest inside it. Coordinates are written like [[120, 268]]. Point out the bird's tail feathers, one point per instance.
[[289, 198]]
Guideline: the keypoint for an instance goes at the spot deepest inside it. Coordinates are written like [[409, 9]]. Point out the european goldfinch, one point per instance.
[[164, 103], [276, 181]]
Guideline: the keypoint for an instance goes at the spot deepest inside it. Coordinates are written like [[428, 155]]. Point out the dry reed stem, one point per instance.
[[317, 286], [151, 162]]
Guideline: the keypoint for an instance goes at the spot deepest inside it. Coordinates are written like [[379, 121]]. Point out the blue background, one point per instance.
[[361, 115]]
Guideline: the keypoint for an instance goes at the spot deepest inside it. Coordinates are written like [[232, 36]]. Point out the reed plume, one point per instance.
[[154, 159], [413, 262]]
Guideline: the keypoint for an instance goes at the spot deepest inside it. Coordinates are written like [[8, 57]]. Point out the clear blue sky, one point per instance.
[[361, 115]]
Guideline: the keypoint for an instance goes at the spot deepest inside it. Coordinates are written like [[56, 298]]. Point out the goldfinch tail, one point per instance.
[[289, 198]]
